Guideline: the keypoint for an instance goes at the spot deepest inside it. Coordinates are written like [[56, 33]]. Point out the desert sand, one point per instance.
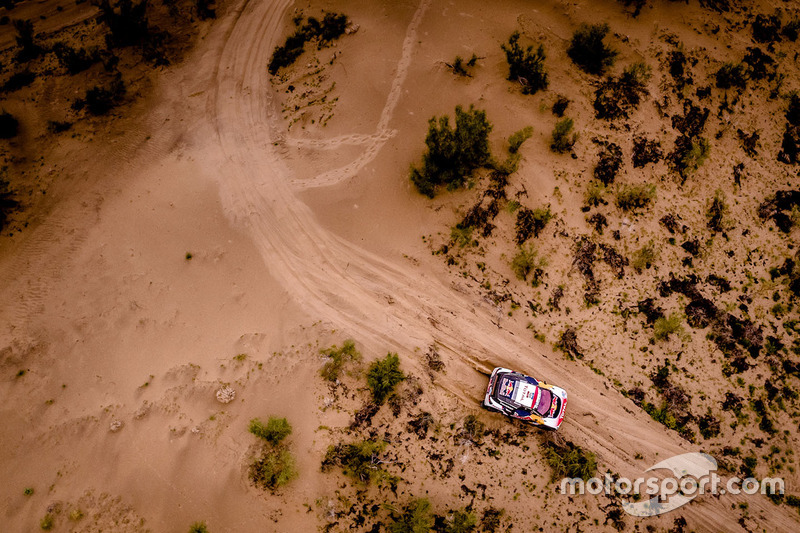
[[209, 233]]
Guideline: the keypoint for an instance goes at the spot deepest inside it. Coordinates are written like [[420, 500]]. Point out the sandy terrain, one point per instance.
[[114, 341]]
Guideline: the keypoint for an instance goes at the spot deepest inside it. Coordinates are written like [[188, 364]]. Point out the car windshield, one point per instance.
[[544, 402]]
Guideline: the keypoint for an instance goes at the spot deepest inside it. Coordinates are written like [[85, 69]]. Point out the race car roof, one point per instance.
[[518, 391]]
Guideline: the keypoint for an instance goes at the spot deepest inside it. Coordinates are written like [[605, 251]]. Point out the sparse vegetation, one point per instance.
[[75, 60], [595, 190], [645, 151], [47, 522], [666, 326], [526, 66], [453, 154], [416, 517], [101, 100], [275, 466], [618, 97], [273, 432], [717, 212], [531, 222], [460, 521], [383, 376], [563, 139], [519, 137], [459, 66], [560, 105], [644, 257], [609, 163], [731, 75], [126, 21], [332, 26], [337, 358], [588, 51], [28, 48], [360, 460], [526, 263], [198, 527], [633, 197], [569, 460]]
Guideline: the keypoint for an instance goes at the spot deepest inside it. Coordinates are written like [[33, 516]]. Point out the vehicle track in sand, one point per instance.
[[336, 281]]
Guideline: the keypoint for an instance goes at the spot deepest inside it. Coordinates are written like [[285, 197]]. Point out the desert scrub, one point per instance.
[[562, 138], [531, 222], [273, 469], [472, 431], [519, 137], [645, 151], [527, 262], [101, 100], [594, 193], [360, 460], [453, 153], [198, 527], [525, 66], [383, 376], [717, 212], [273, 432], [7, 201], [608, 164], [569, 460], [633, 197], [332, 26], [46, 523], [731, 75], [461, 235], [275, 466], [460, 521], [459, 66], [337, 358], [618, 97], [416, 517], [666, 326], [644, 257], [689, 154], [588, 51]]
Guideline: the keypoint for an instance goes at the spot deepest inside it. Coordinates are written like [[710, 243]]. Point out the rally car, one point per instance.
[[525, 398]]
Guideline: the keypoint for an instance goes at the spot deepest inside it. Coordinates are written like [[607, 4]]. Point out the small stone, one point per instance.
[[115, 426]]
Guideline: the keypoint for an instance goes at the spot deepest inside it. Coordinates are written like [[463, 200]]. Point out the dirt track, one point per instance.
[[237, 138]]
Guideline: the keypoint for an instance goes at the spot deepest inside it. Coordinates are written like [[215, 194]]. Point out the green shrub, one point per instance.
[[460, 66], [359, 460], [47, 522], [337, 359], [472, 431], [416, 517], [526, 262], [569, 460], [519, 137], [717, 212], [198, 527], [460, 521], [731, 75], [453, 154], [644, 257], [273, 469], [525, 66], [274, 432], [588, 51], [461, 235], [632, 197], [383, 376], [531, 222], [695, 156], [594, 193], [666, 326], [563, 139]]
